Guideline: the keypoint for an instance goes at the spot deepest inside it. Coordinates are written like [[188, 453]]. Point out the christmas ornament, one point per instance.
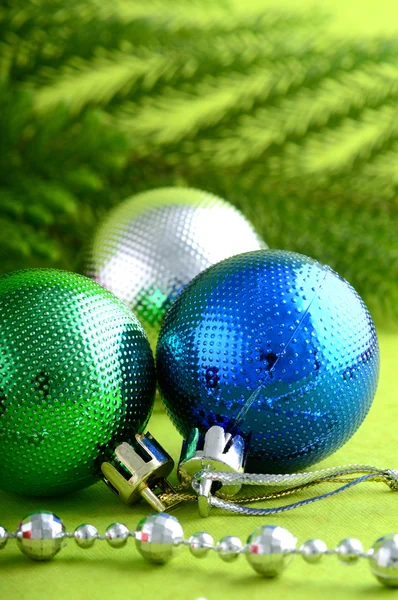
[[269, 549], [150, 246], [77, 378], [275, 348]]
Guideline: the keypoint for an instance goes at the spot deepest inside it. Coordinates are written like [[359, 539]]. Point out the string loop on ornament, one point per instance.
[[283, 484]]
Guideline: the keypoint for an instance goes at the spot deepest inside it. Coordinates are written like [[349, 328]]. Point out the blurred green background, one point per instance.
[[286, 109]]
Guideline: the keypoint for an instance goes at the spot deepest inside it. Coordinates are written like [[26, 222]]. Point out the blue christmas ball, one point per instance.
[[276, 347]]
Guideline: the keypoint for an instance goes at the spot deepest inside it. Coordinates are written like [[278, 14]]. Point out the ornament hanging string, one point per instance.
[[282, 484]]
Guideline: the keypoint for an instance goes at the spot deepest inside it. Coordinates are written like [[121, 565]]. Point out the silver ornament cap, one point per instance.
[[217, 450]]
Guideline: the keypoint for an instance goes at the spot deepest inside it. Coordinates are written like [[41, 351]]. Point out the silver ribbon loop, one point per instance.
[[293, 481]]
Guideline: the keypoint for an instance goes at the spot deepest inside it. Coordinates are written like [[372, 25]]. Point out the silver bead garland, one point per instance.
[[269, 549]]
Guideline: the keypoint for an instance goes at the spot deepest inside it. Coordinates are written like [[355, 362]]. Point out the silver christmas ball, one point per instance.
[[229, 548], [85, 535], [150, 246], [117, 535], [157, 537], [200, 543], [3, 537], [349, 550], [383, 561], [40, 535], [269, 550], [313, 550]]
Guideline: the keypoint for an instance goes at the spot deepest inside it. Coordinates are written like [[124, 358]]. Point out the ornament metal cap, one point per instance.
[[139, 471], [217, 450]]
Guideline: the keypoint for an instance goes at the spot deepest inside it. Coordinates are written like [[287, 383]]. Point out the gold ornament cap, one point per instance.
[[139, 470]]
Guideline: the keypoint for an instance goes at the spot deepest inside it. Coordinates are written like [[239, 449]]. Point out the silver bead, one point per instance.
[[40, 535], [383, 560], [85, 535], [3, 537], [313, 550], [157, 537], [200, 543], [349, 550], [229, 548], [117, 535], [269, 550]]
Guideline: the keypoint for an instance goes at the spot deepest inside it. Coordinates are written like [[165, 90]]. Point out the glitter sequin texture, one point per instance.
[[273, 345], [76, 376], [150, 246]]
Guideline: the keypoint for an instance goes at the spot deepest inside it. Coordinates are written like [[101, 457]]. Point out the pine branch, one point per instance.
[[208, 16], [118, 76], [383, 168], [217, 104], [21, 242], [44, 35], [335, 150], [266, 131]]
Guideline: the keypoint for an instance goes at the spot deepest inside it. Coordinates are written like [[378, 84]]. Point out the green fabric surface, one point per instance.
[[366, 512]]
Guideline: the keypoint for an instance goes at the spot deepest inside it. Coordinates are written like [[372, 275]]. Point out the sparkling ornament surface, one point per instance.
[[150, 246], [383, 561], [276, 347], [76, 377], [157, 537], [40, 535]]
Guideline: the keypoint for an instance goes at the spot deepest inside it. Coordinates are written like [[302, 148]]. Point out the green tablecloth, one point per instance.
[[366, 512]]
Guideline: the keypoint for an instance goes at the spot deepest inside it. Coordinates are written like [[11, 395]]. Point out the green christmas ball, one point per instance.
[[76, 378]]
